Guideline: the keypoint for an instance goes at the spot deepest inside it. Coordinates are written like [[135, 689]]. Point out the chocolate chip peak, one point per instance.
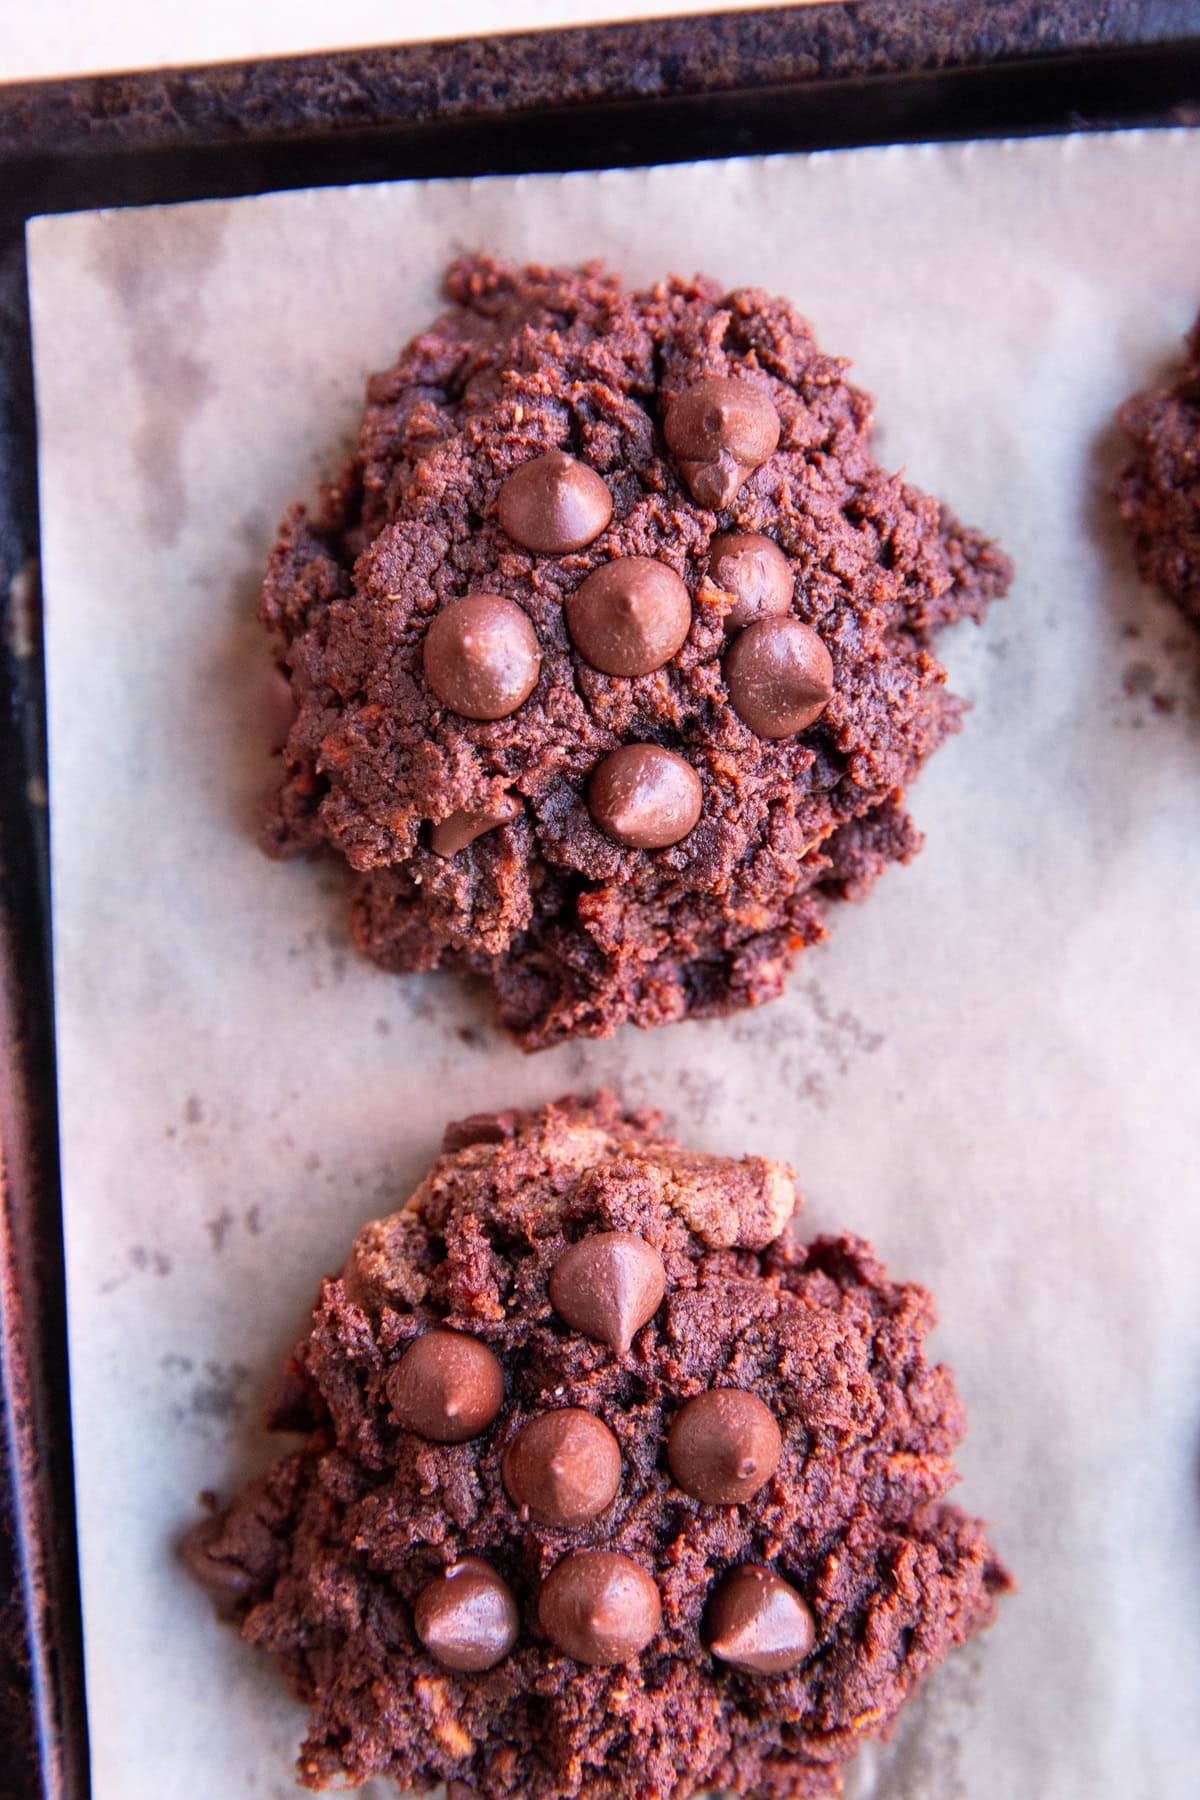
[[481, 656], [721, 430], [554, 504], [563, 1467], [447, 1387], [609, 1286], [779, 675], [467, 1618], [630, 616], [599, 1607], [645, 797], [453, 834], [757, 1621], [723, 1446], [755, 571]]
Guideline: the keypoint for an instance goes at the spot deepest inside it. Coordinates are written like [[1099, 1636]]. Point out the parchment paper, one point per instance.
[[990, 1068]]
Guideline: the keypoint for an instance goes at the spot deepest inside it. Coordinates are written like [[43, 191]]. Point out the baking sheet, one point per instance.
[[990, 1068], [65, 37]]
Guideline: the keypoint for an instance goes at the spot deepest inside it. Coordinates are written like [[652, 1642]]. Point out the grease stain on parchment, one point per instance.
[[812, 1048], [325, 951], [156, 1261], [139, 1260], [227, 1221], [210, 1395], [1160, 679], [156, 277]]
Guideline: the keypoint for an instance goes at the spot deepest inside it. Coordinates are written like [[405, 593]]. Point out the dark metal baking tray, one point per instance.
[[873, 71]]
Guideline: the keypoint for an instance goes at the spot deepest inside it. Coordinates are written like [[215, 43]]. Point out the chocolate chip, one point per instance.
[[453, 834], [447, 1387], [723, 1445], [779, 675], [554, 504], [645, 797], [564, 1467], [608, 1285], [481, 656], [599, 1607], [480, 1128], [755, 571], [757, 1621], [721, 431], [630, 616], [467, 1618]]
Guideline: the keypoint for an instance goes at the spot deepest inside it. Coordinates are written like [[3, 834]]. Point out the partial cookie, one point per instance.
[[607, 1488], [611, 649], [1158, 489]]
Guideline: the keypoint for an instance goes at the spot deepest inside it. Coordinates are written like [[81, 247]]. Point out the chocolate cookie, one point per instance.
[[607, 1488], [1158, 489], [610, 650]]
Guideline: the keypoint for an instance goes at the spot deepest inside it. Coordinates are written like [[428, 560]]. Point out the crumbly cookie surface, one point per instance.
[[337, 1560], [1158, 488], [577, 927]]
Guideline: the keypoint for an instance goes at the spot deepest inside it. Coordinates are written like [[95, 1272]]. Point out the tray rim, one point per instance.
[[356, 90]]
